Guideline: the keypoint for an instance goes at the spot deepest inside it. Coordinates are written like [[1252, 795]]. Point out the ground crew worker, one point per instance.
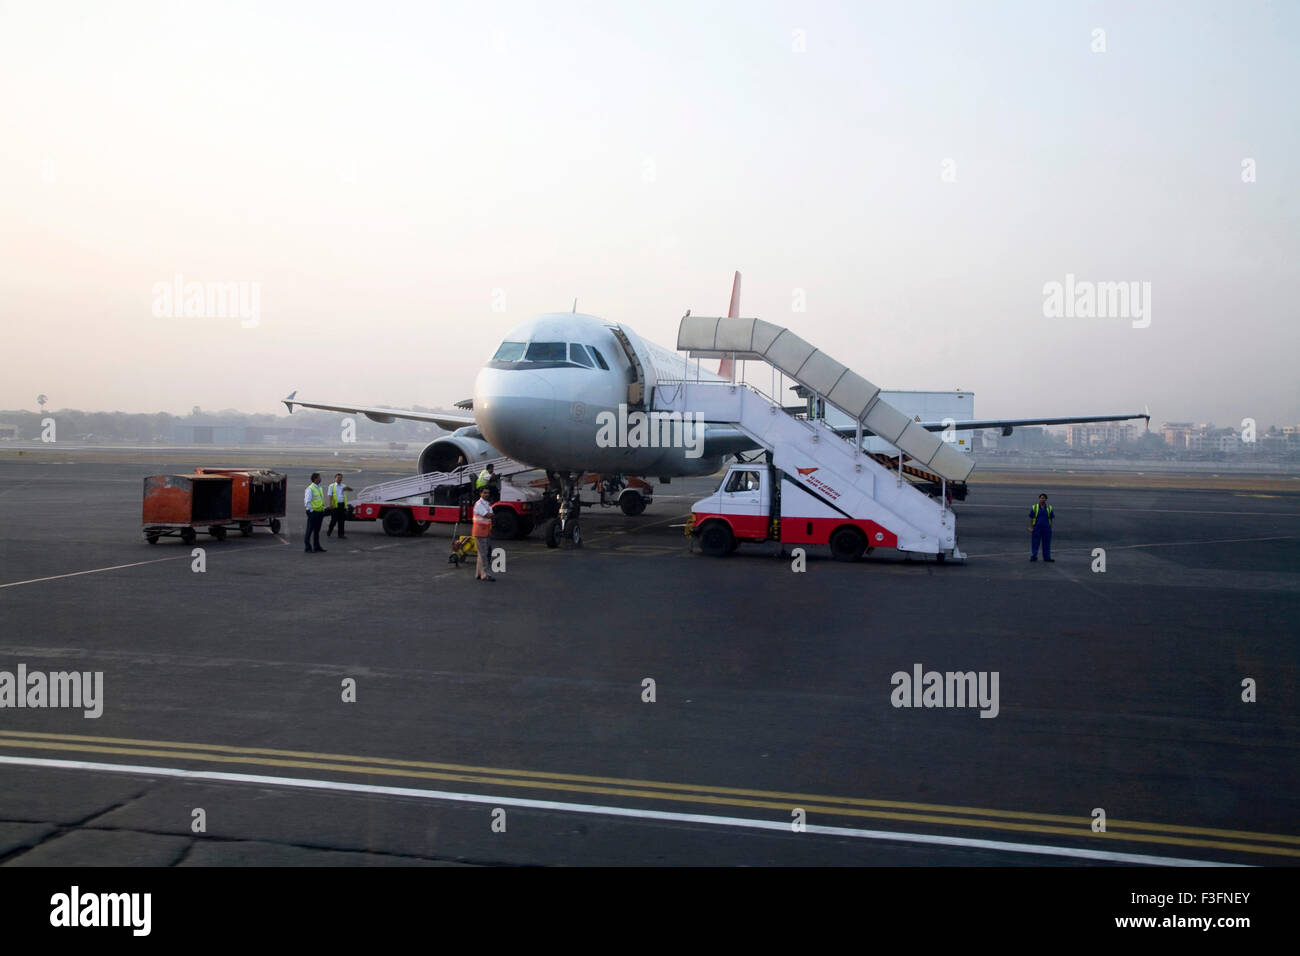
[[313, 501], [487, 479], [338, 501], [1040, 529], [483, 534]]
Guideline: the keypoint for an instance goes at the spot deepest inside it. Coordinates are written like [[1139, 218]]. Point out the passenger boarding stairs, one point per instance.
[[417, 486], [811, 453]]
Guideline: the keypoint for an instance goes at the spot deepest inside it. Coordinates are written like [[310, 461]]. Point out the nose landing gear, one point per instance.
[[566, 525]]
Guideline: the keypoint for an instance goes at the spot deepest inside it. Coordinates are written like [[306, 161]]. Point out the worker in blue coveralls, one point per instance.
[[1040, 529]]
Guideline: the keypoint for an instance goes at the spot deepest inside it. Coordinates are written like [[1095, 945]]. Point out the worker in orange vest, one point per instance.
[[482, 529]]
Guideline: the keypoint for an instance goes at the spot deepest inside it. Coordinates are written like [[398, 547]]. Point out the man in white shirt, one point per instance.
[[482, 531], [313, 502], [337, 496]]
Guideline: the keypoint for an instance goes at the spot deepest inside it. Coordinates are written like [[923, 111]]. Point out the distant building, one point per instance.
[[1175, 434], [8, 432], [1098, 435]]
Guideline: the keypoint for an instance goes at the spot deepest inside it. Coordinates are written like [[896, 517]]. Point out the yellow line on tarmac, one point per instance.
[[690, 793]]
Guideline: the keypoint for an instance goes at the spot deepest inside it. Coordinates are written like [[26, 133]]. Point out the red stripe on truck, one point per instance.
[[796, 530]]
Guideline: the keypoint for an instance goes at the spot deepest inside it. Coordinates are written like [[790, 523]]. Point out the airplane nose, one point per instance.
[[514, 409]]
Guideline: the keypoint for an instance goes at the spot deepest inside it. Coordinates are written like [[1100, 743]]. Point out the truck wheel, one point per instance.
[[397, 522], [847, 544], [189, 535], [526, 526], [505, 524], [420, 527], [631, 503], [716, 539], [552, 534]]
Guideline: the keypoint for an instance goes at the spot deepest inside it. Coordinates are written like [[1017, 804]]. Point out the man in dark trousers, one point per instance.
[[313, 501], [1040, 529], [337, 496]]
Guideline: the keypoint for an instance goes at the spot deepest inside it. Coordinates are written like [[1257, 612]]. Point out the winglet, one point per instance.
[[288, 402], [726, 365]]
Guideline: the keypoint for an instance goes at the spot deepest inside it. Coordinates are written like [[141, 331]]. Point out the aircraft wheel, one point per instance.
[[716, 539]]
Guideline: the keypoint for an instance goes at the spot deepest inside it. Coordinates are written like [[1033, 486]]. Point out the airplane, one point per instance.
[[537, 399]]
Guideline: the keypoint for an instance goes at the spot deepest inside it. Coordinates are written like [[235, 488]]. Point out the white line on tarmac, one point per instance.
[[1154, 544], [962, 506], [135, 564], [704, 818]]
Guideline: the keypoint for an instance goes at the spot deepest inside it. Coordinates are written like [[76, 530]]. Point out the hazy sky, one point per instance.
[[387, 173]]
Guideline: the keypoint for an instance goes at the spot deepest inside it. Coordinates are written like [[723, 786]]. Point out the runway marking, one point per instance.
[[613, 811], [691, 793], [1157, 544], [135, 564]]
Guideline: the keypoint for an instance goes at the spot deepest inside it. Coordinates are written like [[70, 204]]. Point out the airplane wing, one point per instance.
[[384, 415], [1006, 424]]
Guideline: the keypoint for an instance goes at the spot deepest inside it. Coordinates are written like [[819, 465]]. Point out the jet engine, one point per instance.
[[444, 454]]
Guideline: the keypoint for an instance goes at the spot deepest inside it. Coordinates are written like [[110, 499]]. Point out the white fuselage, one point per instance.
[[540, 398]]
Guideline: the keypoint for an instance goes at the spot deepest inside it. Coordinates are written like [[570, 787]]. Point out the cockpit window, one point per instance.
[[546, 352], [600, 359], [578, 354], [509, 352]]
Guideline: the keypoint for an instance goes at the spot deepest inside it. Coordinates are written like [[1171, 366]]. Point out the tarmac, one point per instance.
[[635, 702]]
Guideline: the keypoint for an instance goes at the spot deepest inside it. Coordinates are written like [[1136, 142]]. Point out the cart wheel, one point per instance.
[[453, 559], [577, 536], [246, 528], [188, 535], [275, 526], [152, 537], [218, 532]]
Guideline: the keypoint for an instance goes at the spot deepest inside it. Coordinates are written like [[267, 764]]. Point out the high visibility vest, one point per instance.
[[1033, 513], [318, 499], [338, 497], [482, 526], [484, 477]]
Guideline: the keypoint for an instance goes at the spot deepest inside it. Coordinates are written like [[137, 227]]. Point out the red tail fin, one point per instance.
[[733, 312]]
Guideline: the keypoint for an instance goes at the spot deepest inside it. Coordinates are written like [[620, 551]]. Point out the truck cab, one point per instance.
[[757, 502], [740, 510]]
